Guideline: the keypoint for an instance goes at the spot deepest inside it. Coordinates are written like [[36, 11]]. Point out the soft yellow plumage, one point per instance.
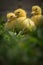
[[9, 25], [36, 15], [23, 22]]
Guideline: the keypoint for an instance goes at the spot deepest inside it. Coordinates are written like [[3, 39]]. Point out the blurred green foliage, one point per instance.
[[21, 49]]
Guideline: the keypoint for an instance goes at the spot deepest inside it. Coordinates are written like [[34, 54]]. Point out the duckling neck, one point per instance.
[[37, 15]]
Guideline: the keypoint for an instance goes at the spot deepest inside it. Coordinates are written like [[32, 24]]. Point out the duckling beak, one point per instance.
[[8, 20], [15, 16], [33, 12]]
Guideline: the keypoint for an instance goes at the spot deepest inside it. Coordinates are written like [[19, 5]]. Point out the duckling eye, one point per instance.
[[36, 9], [18, 12], [11, 16]]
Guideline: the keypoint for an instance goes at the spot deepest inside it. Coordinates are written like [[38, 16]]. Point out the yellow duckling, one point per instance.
[[23, 23], [10, 21], [36, 15]]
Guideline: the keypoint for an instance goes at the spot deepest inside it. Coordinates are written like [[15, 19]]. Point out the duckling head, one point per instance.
[[20, 12], [36, 10], [10, 16]]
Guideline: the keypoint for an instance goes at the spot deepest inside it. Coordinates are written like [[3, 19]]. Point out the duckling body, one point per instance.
[[36, 15], [9, 25], [23, 22], [36, 19]]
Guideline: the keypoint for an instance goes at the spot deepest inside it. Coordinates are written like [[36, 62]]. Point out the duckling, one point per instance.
[[9, 25], [23, 22], [36, 15]]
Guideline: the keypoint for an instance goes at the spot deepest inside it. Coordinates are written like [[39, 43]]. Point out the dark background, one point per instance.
[[11, 5]]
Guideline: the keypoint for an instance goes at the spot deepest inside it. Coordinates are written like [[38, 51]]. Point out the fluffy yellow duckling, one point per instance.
[[23, 22], [9, 25], [36, 15]]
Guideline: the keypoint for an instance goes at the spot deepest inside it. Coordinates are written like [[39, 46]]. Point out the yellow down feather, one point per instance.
[[23, 23], [36, 15], [9, 25]]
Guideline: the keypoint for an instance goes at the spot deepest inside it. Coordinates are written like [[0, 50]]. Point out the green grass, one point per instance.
[[21, 49]]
